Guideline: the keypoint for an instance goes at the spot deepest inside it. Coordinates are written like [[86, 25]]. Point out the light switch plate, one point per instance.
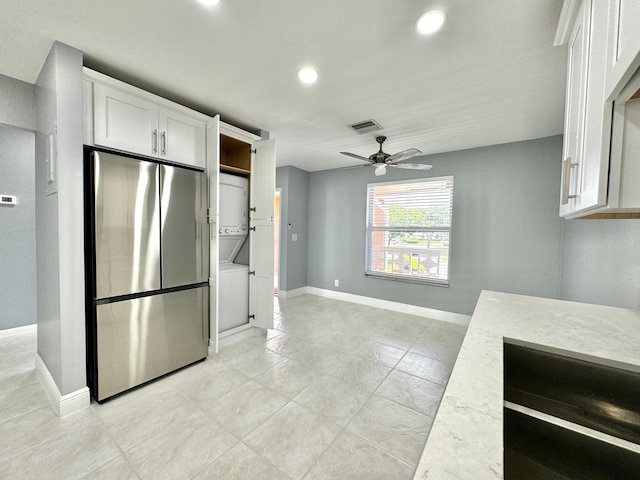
[[51, 164]]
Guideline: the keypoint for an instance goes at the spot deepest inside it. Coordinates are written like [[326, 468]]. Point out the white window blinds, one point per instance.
[[409, 230]]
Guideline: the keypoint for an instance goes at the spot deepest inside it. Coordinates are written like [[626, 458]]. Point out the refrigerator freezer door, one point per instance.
[[185, 232], [144, 338], [127, 233]]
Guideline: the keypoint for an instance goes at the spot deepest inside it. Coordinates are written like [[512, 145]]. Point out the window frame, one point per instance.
[[370, 229]]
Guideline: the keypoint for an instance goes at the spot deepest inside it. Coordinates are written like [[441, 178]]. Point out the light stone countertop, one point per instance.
[[466, 437]]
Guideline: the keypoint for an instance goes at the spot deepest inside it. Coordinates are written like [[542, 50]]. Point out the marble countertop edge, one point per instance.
[[465, 441]]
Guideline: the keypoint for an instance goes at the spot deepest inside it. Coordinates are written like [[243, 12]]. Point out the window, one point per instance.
[[409, 230]]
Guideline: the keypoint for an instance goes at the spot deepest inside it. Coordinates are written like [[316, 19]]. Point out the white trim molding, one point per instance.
[[565, 24], [442, 315], [296, 292], [10, 332], [63, 404]]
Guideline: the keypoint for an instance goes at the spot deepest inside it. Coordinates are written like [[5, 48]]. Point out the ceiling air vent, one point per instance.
[[365, 126]]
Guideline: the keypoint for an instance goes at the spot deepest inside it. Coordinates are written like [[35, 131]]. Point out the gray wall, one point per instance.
[[18, 227], [295, 211], [17, 103], [505, 234], [59, 221], [601, 262]]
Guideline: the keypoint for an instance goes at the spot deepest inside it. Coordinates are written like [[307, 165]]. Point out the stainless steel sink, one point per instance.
[[570, 394]]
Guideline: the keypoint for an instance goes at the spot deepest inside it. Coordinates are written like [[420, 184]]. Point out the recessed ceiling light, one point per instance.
[[209, 3], [308, 75], [430, 22]]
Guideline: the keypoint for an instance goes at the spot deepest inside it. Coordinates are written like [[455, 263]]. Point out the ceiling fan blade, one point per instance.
[[356, 156], [351, 166], [403, 155], [414, 166]]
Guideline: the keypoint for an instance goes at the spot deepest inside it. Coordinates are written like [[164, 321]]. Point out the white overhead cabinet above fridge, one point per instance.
[[131, 120]]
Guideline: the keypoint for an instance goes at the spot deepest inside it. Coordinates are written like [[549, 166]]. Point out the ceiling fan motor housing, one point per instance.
[[379, 156]]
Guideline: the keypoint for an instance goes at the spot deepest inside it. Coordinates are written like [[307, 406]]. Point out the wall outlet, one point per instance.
[[336, 283], [294, 237]]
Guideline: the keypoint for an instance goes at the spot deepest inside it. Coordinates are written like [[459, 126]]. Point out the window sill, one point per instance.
[[408, 279]]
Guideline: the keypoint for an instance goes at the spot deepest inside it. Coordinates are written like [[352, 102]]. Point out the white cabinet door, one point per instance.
[[578, 49], [594, 169], [213, 171], [261, 257], [182, 138], [585, 164], [135, 123], [263, 179], [124, 122], [261, 273], [623, 44]]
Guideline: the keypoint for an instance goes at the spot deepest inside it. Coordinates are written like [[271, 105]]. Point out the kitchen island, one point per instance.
[[466, 437]]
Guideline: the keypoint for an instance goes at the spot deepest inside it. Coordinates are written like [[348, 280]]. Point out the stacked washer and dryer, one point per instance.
[[233, 271]]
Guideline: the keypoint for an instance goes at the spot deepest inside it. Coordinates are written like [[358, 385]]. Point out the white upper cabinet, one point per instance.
[[587, 116], [124, 122], [182, 137], [128, 119], [623, 44], [601, 151]]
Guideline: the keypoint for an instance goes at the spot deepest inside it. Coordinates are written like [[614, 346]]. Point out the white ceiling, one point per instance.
[[490, 76]]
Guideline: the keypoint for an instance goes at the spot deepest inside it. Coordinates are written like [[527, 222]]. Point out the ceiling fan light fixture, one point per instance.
[[308, 75], [430, 22], [380, 170]]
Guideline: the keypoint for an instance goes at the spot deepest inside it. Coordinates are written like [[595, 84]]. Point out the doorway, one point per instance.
[[18, 226], [276, 241]]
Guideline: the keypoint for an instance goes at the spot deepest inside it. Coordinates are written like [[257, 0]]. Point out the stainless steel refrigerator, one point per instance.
[[147, 250]]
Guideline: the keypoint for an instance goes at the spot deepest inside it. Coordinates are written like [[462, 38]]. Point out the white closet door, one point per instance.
[[263, 179], [213, 170], [261, 280], [261, 258]]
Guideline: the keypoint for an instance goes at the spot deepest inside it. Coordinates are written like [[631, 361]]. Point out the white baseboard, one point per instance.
[[388, 305], [235, 335], [296, 292], [10, 332], [63, 404]]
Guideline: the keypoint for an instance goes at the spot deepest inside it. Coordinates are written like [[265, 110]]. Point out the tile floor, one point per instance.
[[335, 391]]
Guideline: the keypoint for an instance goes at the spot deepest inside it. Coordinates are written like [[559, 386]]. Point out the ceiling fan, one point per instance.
[[382, 160]]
